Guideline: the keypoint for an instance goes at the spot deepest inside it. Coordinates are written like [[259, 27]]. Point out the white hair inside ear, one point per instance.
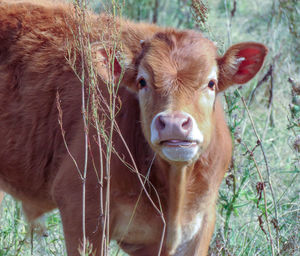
[[239, 60], [142, 42]]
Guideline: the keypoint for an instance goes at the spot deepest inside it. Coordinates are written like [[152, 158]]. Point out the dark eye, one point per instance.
[[211, 84], [142, 83]]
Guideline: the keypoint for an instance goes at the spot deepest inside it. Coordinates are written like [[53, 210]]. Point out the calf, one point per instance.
[[171, 121]]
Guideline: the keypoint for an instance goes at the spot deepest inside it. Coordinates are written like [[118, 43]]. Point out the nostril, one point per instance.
[[160, 123], [187, 124]]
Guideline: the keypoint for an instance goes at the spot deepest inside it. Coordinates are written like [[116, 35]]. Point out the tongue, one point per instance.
[[178, 143]]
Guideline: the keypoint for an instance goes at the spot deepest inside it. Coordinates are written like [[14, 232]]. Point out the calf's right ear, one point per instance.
[[240, 63], [106, 61], [112, 65]]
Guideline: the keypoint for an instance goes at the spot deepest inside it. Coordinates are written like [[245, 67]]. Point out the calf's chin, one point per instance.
[[180, 153]]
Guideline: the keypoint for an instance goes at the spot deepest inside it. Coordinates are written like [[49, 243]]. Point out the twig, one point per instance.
[[265, 197], [228, 23], [159, 210], [268, 74], [136, 204], [260, 82], [60, 118], [80, 7], [269, 116], [271, 91], [155, 11], [233, 9], [267, 168]]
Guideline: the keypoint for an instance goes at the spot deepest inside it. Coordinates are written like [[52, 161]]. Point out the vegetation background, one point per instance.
[[258, 211]]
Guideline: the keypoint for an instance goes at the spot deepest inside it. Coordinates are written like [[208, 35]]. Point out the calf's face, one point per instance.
[[177, 78], [177, 81]]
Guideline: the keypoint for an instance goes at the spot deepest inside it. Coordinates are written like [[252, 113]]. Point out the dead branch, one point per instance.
[[233, 9], [155, 11], [260, 82]]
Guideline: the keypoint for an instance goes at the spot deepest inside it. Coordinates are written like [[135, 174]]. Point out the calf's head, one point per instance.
[[177, 78]]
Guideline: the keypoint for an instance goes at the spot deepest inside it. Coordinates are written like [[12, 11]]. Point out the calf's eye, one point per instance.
[[211, 84], [142, 83]]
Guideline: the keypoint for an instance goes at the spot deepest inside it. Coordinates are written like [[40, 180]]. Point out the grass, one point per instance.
[[16, 239]]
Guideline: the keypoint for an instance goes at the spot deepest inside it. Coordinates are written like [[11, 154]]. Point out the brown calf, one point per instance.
[[170, 112]]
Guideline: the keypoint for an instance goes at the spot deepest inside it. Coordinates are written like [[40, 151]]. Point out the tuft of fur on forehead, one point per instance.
[[178, 60]]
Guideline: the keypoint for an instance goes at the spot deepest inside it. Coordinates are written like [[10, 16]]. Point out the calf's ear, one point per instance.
[[106, 62], [240, 63], [112, 65]]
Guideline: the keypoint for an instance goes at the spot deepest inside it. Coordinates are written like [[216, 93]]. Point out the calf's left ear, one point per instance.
[[240, 63]]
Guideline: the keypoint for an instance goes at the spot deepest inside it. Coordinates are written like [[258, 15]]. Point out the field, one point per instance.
[[258, 211]]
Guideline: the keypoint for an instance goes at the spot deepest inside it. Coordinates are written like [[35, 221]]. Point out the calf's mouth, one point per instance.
[[179, 143]]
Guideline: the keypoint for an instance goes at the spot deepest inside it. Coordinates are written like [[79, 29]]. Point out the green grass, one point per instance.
[[15, 236]]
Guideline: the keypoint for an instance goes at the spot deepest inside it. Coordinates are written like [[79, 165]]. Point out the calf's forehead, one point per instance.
[[179, 59]]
